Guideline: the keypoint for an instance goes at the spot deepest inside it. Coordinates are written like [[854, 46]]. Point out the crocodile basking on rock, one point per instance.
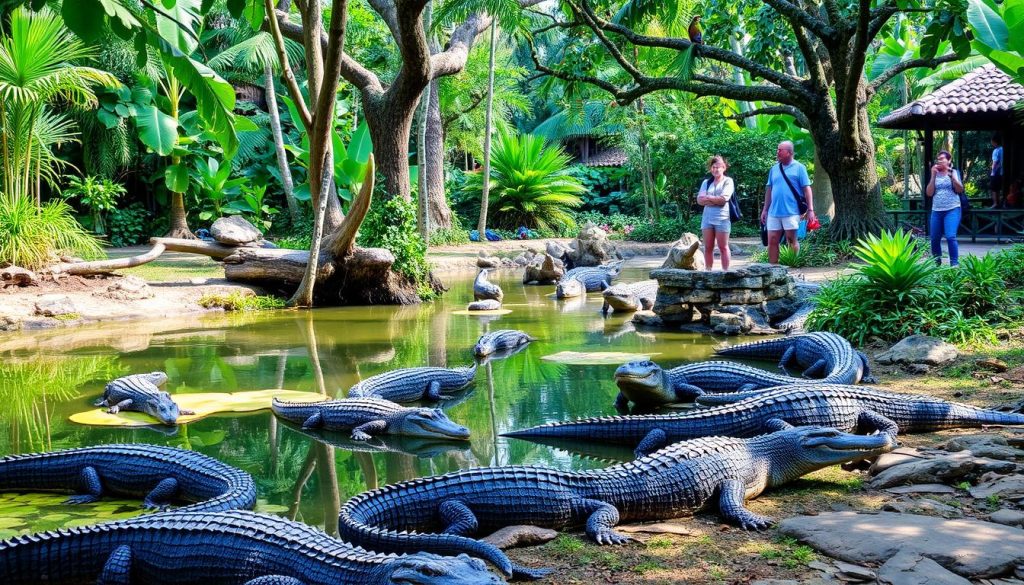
[[412, 384], [823, 355], [579, 281], [141, 393], [218, 548], [630, 297], [367, 417], [847, 408], [161, 474], [500, 340], [680, 479], [645, 383], [485, 289]]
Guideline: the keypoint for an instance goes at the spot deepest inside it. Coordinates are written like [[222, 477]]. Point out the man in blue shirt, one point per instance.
[[781, 214], [995, 178]]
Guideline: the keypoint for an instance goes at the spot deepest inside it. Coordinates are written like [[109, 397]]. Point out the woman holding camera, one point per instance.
[[944, 188]]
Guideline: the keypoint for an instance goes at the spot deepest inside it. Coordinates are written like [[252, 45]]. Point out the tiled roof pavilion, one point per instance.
[[981, 100]]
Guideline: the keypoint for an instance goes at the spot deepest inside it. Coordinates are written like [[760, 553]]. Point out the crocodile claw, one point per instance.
[[113, 410], [756, 522], [156, 506], [360, 436], [611, 537], [81, 499]]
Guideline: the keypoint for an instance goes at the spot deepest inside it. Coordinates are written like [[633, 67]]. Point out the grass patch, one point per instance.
[[659, 542], [789, 552], [68, 317], [647, 566], [176, 271], [237, 301], [567, 545]]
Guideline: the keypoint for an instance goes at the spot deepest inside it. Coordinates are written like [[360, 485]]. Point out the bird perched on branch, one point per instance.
[[696, 37]]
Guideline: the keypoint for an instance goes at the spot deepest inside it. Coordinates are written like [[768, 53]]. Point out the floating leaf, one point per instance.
[[204, 404], [10, 522], [596, 358], [491, 312]]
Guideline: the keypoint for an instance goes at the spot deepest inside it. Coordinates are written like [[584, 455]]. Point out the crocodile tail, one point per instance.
[[973, 416], [728, 398], [296, 412], [583, 429], [764, 349]]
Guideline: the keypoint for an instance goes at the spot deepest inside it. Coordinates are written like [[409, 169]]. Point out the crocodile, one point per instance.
[[219, 548], [682, 478], [411, 384], [500, 340], [366, 417], [847, 408], [824, 355], [484, 305], [485, 289], [141, 393], [579, 281], [161, 474], [627, 298], [420, 447], [645, 383]]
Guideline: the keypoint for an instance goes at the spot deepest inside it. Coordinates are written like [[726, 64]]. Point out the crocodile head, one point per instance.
[[431, 569], [620, 298], [643, 382], [162, 408], [569, 288], [794, 452], [431, 423]]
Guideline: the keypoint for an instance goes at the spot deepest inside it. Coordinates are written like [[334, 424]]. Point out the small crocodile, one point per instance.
[[411, 384], [485, 289], [500, 340], [847, 408], [421, 447], [627, 298], [141, 393], [484, 305], [579, 281], [680, 479], [823, 355], [161, 474], [366, 417], [218, 548], [645, 383]]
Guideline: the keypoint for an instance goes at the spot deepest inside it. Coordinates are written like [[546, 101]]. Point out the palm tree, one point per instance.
[[36, 70]]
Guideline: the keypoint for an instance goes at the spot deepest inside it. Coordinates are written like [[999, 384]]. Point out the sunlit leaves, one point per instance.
[[999, 36]]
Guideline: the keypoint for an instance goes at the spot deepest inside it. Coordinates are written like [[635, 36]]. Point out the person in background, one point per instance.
[[715, 223], [944, 188], [995, 177], [781, 214]]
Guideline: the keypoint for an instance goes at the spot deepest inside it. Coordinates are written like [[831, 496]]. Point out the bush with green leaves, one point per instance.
[[391, 224], [34, 237], [817, 249], [98, 194], [128, 225]]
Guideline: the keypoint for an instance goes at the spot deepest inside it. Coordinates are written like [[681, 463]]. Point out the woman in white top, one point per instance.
[[944, 188], [715, 224]]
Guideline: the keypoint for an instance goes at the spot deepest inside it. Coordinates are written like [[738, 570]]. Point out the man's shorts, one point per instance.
[[786, 222], [995, 183]]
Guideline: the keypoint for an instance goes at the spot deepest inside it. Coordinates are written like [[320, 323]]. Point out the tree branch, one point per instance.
[[344, 238], [801, 119], [591, 21], [476, 99], [798, 16], [811, 59], [388, 13], [351, 70], [453, 59], [847, 94], [909, 64]]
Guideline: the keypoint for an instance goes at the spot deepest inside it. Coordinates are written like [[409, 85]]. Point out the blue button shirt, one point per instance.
[[783, 203]]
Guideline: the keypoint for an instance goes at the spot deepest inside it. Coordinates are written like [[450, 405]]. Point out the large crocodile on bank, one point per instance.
[[645, 383], [161, 474], [630, 297], [682, 478], [367, 417], [847, 408], [823, 355], [218, 548], [500, 340], [411, 384], [579, 281], [141, 393]]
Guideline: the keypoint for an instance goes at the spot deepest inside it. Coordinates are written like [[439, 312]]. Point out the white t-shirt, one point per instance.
[[725, 188]]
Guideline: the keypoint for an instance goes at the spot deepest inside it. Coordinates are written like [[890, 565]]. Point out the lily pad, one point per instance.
[[596, 358], [204, 404], [491, 312]]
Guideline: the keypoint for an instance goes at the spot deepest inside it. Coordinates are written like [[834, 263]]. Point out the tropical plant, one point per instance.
[[36, 70], [530, 184], [997, 33], [250, 204], [33, 237], [391, 224], [99, 195], [893, 265], [128, 225]]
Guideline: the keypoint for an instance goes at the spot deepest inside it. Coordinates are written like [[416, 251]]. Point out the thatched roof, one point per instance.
[[981, 100]]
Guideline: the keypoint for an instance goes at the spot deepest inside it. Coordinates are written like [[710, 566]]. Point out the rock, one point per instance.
[[513, 536], [1015, 375], [484, 305], [647, 319], [990, 446], [922, 488], [969, 548], [684, 254], [919, 349], [1008, 517], [895, 457], [933, 470], [910, 568], [657, 528], [129, 288], [1010, 487], [917, 369], [924, 505], [54, 306], [16, 276], [234, 230], [753, 319], [521, 260], [485, 261], [557, 250], [775, 582], [592, 247], [850, 572], [993, 364], [543, 269]]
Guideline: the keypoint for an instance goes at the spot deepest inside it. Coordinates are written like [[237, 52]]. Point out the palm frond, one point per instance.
[[253, 54]]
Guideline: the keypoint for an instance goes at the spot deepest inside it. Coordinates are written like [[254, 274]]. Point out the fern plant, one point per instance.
[[893, 265]]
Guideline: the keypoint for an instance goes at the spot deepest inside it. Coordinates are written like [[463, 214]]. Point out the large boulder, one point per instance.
[[919, 349], [55, 306], [129, 288], [543, 269], [593, 247], [16, 276], [685, 254], [234, 230]]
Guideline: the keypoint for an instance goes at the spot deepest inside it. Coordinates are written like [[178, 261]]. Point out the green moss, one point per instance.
[[237, 301], [68, 317]]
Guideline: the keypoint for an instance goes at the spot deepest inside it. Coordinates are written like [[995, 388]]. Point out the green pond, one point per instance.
[[47, 376]]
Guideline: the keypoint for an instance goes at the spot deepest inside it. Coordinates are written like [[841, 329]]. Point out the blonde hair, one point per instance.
[[717, 159]]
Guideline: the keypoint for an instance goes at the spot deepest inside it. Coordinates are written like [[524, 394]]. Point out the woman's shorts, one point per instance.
[[720, 227]]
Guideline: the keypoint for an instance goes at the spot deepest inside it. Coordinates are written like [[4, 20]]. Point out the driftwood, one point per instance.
[[103, 266], [16, 276]]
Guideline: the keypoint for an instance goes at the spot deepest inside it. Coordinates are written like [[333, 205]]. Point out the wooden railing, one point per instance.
[[1001, 224]]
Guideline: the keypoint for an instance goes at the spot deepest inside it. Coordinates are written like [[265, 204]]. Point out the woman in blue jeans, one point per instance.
[[944, 189]]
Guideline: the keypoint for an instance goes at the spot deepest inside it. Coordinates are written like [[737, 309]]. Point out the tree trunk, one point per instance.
[[389, 130], [824, 203], [179, 220], [482, 223], [440, 213], [422, 188], [282, 157]]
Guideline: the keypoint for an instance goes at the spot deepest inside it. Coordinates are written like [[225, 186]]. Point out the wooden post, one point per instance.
[[926, 173]]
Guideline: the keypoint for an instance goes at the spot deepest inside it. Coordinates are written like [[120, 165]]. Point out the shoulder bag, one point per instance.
[[734, 205], [801, 203]]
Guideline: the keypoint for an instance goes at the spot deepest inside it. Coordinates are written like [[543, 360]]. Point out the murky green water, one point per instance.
[[46, 376]]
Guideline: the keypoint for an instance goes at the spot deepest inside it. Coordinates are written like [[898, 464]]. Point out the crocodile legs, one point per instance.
[[655, 439], [160, 496], [817, 369], [870, 420], [93, 488], [731, 506], [117, 571], [788, 357], [434, 392], [458, 518], [602, 516], [365, 431], [124, 404]]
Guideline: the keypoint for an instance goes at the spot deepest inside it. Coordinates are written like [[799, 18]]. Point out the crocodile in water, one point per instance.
[[500, 340], [485, 289], [630, 297], [412, 384], [579, 281], [367, 417], [645, 383]]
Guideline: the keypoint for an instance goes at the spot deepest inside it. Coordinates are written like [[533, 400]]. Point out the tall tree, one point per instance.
[[488, 126], [829, 97]]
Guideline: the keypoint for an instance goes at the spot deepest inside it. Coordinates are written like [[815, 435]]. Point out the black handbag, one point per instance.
[[734, 206], [764, 234], [801, 203]]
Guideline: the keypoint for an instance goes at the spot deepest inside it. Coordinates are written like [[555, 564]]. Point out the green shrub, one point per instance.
[[453, 235], [391, 224], [128, 225], [238, 301], [33, 237], [666, 230], [99, 195]]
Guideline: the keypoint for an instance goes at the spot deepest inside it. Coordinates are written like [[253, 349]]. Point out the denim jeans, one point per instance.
[[945, 223]]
